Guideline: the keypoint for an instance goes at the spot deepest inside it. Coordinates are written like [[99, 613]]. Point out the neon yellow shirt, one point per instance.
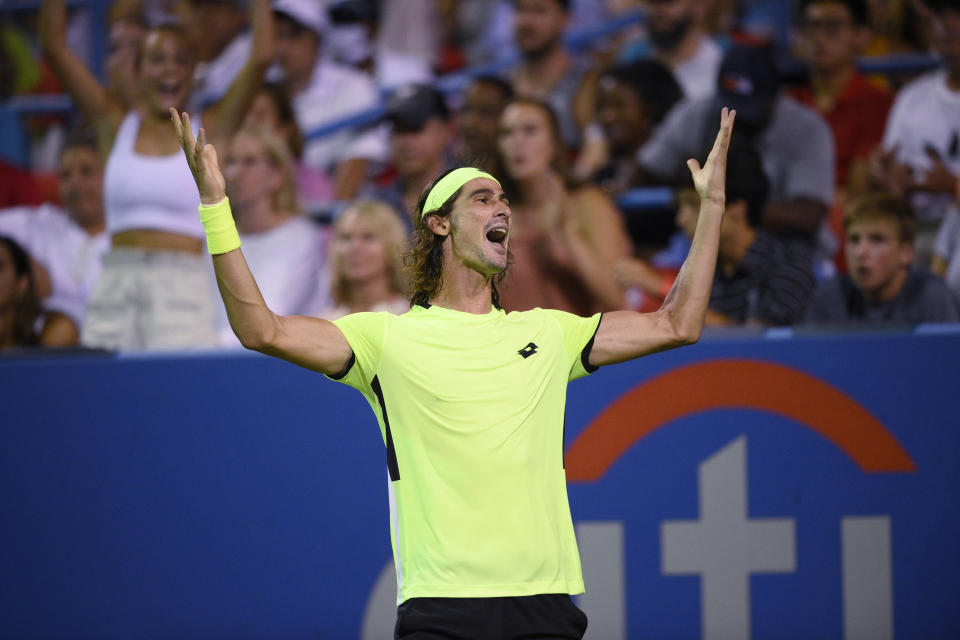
[[471, 410]]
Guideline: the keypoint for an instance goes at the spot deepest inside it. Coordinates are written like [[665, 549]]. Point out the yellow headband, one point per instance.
[[449, 185]]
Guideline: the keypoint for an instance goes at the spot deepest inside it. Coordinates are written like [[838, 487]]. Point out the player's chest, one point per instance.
[[510, 370]]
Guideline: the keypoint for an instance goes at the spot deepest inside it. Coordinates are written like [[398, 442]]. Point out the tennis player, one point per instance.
[[470, 399]]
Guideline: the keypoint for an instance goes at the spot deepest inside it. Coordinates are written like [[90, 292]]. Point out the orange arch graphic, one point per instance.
[[729, 384]]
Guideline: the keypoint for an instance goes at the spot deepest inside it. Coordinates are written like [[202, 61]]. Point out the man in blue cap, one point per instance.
[[794, 142]]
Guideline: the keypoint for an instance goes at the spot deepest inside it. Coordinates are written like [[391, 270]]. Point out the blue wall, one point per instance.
[[238, 496]]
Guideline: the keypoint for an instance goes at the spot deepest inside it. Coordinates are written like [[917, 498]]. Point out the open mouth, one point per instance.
[[498, 237], [169, 90]]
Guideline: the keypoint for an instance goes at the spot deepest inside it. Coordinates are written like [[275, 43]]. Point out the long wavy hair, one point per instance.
[[424, 260]]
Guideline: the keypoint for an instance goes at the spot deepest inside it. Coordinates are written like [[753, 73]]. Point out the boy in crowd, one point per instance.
[[881, 284]]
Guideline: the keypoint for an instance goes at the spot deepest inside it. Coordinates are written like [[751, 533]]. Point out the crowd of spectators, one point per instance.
[[843, 188]]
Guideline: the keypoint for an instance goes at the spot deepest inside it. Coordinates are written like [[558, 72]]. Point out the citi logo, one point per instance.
[[724, 546], [528, 350]]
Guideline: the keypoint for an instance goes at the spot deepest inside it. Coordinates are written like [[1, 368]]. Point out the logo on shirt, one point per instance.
[[528, 350]]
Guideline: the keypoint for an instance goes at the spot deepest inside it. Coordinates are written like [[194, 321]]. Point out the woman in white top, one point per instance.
[[153, 291], [285, 250], [366, 261]]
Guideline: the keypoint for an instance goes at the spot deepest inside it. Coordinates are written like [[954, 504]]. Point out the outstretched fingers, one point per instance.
[[181, 122], [722, 141]]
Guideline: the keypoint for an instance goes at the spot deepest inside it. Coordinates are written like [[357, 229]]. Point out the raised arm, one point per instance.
[[97, 105], [224, 118], [624, 335], [309, 342]]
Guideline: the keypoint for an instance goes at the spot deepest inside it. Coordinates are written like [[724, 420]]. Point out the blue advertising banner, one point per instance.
[[796, 488]]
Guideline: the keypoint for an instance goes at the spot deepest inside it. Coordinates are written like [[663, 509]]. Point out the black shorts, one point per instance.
[[544, 617]]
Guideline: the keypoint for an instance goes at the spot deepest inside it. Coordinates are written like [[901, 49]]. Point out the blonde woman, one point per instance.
[[366, 261], [286, 251]]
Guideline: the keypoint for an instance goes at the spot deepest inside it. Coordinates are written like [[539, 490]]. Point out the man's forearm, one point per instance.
[[686, 304], [250, 318], [252, 322]]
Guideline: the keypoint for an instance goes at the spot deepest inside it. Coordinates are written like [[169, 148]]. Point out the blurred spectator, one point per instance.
[[67, 245], [420, 145], [272, 109], [564, 238], [759, 278], [835, 33], [677, 37], [633, 99], [896, 27], [481, 29], [946, 248], [366, 261], [411, 27], [547, 71], [363, 36], [286, 251], [484, 28], [795, 144], [323, 92], [921, 154], [19, 306], [153, 291], [221, 43], [479, 121], [881, 284]]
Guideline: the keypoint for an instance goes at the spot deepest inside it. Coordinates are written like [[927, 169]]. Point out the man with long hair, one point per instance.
[[470, 399]]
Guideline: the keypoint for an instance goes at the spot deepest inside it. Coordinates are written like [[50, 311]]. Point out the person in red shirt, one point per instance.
[[834, 32]]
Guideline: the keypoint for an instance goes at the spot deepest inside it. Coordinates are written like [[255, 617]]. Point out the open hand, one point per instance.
[[710, 181], [201, 158]]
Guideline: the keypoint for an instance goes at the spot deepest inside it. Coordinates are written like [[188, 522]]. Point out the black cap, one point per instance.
[[412, 105], [748, 81]]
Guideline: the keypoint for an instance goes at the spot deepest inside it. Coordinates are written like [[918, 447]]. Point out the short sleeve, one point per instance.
[[578, 334], [811, 158], [365, 334]]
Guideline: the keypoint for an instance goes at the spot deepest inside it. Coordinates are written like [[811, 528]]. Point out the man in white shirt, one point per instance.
[[921, 143], [677, 36], [66, 246], [323, 92]]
